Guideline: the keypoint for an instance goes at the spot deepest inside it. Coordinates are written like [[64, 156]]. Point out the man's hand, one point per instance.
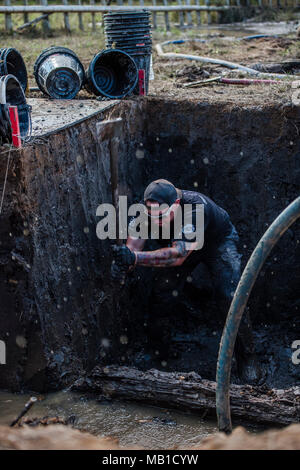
[[123, 260], [123, 256]]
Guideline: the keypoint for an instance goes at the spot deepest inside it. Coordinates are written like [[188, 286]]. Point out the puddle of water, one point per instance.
[[117, 419]]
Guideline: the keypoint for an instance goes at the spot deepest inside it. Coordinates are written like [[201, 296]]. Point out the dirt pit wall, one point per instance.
[[61, 313]]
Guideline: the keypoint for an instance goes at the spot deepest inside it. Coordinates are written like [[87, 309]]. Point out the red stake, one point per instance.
[[141, 81], [15, 126]]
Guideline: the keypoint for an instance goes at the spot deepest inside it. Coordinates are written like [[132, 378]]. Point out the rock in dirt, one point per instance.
[[189, 73], [46, 421]]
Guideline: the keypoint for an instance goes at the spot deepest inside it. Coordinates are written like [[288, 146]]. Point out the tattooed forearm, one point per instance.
[[165, 257], [158, 258], [181, 248]]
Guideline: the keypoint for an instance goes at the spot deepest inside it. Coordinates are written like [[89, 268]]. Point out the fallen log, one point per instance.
[[189, 392]]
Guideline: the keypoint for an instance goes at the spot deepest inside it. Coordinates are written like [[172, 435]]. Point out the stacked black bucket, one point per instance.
[[130, 31]]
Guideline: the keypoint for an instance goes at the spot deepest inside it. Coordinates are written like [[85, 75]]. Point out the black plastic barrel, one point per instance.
[[12, 63], [111, 73], [130, 31], [59, 73], [12, 94]]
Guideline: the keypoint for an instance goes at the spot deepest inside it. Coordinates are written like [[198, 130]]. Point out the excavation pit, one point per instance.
[[62, 314]]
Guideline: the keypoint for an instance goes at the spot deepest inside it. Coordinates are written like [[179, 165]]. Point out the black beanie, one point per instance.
[[161, 191]]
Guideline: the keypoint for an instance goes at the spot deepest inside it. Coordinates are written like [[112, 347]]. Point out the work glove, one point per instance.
[[123, 260]]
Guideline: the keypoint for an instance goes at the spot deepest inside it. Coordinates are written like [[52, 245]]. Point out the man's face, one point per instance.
[[159, 215]]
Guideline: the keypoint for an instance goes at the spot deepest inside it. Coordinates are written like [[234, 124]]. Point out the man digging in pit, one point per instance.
[[167, 209]]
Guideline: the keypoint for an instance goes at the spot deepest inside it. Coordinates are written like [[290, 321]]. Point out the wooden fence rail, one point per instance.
[[103, 8], [184, 8]]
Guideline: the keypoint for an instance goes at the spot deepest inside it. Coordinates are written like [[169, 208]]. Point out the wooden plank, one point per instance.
[[92, 3], [167, 22], [80, 21], [26, 17], [103, 8], [45, 23], [66, 18], [8, 19], [102, 19], [181, 16], [189, 15], [32, 22], [207, 3], [198, 13]]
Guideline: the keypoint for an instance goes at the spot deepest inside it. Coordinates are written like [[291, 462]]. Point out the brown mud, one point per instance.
[[59, 437]]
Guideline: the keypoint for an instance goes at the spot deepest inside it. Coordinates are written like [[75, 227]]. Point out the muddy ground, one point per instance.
[[171, 74], [59, 437], [238, 144]]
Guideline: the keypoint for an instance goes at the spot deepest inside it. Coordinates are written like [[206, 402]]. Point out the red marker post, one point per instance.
[[141, 82], [15, 126]]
